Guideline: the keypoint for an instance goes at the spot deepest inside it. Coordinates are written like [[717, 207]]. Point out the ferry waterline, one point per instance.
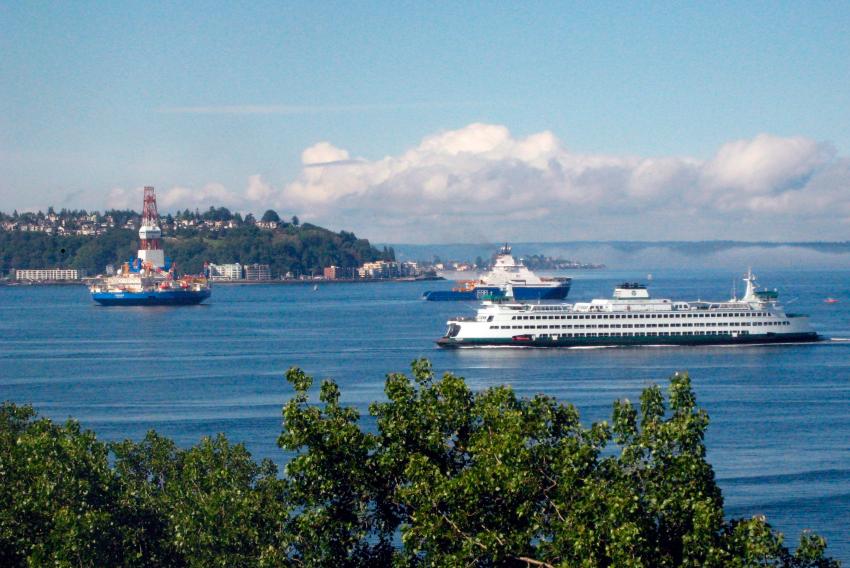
[[631, 317]]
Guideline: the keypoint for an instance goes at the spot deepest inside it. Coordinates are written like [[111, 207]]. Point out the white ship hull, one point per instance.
[[631, 318]]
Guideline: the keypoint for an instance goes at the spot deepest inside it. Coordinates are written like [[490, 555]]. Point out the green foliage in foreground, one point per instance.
[[447, 477]]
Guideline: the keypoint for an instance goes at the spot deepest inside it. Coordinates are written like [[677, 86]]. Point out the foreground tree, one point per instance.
[[62, 504], [445, 477], [56, 492], [490, 479]]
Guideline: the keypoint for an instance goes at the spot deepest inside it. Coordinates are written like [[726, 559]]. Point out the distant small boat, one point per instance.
[[315, 287], [830, 301]]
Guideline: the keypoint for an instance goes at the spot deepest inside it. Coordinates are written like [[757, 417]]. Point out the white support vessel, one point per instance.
[[508, 277], [631, 317]]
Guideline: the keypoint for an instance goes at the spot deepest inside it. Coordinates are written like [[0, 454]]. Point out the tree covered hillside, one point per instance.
[[298, 249], [21, 249]]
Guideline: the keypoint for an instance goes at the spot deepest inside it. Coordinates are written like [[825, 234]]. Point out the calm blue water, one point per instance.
[[779, 438]]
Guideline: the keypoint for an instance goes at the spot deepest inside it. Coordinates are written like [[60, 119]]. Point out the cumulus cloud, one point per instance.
[[765, 165], [259, 191], [323, 153], [482, 183], [481, 179], [179, 197]]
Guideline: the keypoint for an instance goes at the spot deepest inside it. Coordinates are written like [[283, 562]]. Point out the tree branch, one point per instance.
[[533, 562]]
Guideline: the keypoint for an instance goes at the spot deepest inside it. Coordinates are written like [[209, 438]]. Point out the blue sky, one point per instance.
[[216, 103]]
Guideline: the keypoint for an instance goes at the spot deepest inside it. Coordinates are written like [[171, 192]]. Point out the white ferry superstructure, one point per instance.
[[631, 317]]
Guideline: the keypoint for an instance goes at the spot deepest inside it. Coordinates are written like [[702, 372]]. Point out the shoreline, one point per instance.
[[320, 281], [28, 283]]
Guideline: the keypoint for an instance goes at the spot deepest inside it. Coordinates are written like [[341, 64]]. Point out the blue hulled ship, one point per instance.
[[149, 280], [171, 298], [508, 278]]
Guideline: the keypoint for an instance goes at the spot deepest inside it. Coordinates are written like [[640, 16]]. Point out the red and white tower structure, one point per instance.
[[150, 249]]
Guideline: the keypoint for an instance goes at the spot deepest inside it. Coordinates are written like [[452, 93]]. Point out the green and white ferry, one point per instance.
[[631, 317]]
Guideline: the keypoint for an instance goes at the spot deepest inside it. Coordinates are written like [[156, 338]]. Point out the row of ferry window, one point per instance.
[[639, 325], [642, 334], [642, 316]]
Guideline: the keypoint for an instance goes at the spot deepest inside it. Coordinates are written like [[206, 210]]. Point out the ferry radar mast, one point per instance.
[[750, 295]]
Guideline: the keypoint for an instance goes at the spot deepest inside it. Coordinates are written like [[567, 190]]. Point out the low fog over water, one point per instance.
[[647, 255]]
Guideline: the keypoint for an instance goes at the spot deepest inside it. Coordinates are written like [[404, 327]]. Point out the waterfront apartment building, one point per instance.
[[379, 269], [225, 271], [257, 272], [388, 269], [50, 274]]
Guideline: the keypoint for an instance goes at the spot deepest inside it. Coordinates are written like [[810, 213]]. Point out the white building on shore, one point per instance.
[[51, 274], [225, 271], [388, 269], [257, 272]]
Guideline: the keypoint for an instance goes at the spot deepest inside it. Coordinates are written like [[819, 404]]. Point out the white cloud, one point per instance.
[[258, 190], [185, 197], [120, 198], [764, 165], [178, 197], [481, 179], [322, 153], [481, 183]]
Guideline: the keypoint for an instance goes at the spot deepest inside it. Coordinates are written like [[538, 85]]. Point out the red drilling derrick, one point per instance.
[[150, 219]]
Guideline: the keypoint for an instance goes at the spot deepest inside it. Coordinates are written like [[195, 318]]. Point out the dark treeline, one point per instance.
[[24, 249], [121, 216], [300, 249], [445, 477]]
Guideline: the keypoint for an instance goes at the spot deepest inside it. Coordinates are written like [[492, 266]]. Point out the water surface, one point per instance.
[[779, 438]]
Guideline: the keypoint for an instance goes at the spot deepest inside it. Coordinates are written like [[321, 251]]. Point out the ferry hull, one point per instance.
[[520, 293], [691, 340], [153, 298]]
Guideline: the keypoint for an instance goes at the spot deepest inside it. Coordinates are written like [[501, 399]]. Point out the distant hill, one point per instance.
[[298, 249]]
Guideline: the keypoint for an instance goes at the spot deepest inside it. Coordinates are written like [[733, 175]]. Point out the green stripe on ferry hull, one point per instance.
[[634, 341]]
